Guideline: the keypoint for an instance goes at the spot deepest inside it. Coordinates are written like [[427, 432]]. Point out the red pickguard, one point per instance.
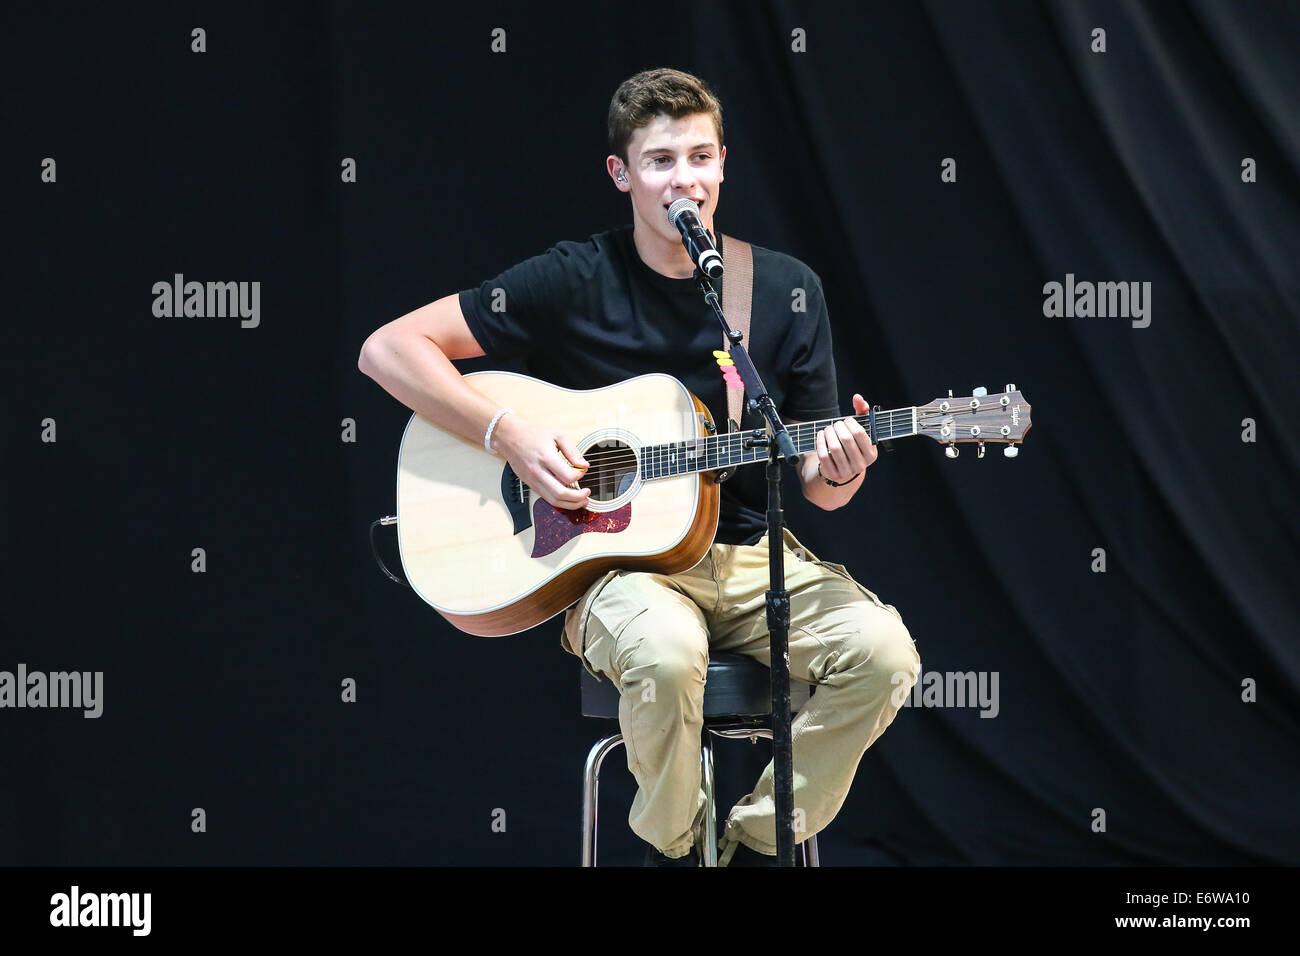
[[553, 526]]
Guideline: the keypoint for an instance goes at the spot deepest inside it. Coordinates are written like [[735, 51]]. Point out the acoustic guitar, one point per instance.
[[495, 558]]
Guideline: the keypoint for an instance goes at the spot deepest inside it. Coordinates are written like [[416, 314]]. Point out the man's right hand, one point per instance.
[[544, 459]]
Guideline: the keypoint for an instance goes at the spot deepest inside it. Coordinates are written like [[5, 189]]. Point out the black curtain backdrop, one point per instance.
[[1120, 691]]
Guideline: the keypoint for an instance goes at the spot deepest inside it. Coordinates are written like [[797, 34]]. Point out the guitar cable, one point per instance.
[[374, 549]]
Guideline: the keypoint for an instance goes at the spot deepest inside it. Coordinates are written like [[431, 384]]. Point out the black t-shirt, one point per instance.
[[589, 314]]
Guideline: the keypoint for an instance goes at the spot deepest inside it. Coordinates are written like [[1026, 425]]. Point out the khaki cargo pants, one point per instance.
[[651, 634]]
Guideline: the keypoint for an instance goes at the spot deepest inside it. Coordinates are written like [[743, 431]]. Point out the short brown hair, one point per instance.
[[669, 92]]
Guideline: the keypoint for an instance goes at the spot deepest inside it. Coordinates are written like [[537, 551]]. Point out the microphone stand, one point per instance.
[[780, 448]]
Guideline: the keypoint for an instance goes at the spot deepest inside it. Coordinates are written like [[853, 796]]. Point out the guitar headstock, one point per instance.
[[979, 417]]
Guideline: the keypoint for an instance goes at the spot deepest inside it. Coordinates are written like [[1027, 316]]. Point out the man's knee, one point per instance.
[[668, 649], [882, 647]]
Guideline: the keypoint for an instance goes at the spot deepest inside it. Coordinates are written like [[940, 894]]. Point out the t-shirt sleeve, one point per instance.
[[517, 313], [813, 392]]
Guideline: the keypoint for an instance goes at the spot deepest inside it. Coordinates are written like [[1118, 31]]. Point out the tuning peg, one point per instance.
[[1011, 451], [951, 451], [980, 452], [980, 392], [1011, 387]]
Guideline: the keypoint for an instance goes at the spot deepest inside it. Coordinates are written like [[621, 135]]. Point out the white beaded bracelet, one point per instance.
[[487, 439]]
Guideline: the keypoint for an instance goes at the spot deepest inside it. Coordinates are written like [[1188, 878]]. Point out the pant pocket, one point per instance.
[[798, 547], [843, 572], [576, 619]]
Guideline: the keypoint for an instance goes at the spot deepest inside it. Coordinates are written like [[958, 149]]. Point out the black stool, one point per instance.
[[737, 703]]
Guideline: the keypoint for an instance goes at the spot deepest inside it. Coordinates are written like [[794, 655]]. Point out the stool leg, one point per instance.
[[591, 794], [709, 848]]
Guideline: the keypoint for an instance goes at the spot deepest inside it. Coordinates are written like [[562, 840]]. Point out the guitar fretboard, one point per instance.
[[735, 448]]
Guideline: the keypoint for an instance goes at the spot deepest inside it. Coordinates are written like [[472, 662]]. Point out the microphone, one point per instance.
[[686, 217]]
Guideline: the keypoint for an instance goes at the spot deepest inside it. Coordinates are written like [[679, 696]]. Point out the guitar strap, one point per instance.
[[739, 282]]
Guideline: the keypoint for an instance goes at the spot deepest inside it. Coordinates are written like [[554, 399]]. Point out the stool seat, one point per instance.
[[736, 686]]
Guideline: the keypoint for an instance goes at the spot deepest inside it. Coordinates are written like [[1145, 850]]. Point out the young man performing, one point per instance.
[[623, 303]]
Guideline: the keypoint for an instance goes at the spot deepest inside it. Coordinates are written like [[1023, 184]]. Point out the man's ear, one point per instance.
[[618, 172], [722, 162]]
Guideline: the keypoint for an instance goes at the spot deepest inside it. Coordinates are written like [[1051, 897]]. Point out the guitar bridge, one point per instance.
[[515, 495]]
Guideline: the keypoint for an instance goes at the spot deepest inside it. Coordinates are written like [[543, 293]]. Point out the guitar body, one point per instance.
[[494, 558]]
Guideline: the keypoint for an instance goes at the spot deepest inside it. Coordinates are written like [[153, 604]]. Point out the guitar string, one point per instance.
[[601, 473], [656, 454], [665, 454], [684, 455], [729, 440], [662, 456]]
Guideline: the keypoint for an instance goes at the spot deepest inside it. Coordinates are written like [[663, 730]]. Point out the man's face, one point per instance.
[[671, 159]]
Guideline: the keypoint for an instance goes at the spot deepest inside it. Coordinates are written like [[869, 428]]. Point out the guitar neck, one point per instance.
[[712, 452]]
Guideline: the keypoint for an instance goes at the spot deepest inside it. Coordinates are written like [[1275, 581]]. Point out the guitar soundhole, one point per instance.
[[612, 471]]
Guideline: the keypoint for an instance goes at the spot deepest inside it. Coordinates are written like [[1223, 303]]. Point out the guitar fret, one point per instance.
[[727, 449]]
